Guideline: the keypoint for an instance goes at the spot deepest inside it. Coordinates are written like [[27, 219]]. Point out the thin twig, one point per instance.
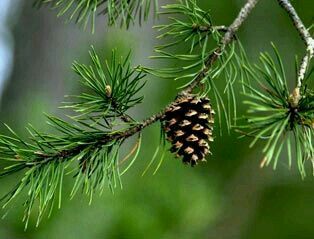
[[305, 36], [228, 37], [304, 33]]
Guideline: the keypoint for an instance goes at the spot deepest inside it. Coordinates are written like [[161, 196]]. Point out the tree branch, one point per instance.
[[305, 36], [228, 37], [304, 33]]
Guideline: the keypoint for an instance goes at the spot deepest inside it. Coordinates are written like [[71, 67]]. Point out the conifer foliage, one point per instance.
[[119, 12], [87, 145], [280, 118]]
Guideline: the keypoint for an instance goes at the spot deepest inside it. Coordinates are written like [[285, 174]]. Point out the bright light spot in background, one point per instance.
[[6, 40]]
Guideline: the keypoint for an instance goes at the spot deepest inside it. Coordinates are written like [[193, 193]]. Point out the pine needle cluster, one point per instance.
[[281, 118], [85, 147]]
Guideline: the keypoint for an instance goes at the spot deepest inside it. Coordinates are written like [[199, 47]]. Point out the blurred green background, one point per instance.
[[229, 197]]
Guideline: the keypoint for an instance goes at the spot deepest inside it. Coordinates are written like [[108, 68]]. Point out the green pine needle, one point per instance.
[[82, 147], [83, 12], [274, 117]]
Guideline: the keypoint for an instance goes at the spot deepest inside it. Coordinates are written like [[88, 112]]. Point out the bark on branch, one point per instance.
[[305, 36]]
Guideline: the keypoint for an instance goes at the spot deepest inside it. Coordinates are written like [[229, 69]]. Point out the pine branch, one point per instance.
[[279, 118], [195, 28], [228, 37], [304, 33], [89, 144], [274, 119], [307, 39], [94, 136]]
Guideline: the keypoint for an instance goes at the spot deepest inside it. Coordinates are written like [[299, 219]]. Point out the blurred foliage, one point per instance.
[[229, 197], [84, 12]]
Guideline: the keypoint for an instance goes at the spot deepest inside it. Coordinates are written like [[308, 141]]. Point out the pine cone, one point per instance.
[[189, 125]]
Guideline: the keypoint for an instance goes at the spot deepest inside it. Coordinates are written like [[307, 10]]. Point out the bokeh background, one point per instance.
[[229, 197]]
